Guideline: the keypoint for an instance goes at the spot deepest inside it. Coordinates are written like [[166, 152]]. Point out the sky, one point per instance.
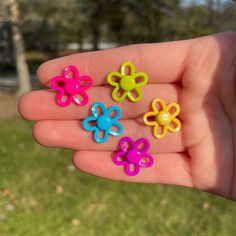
[[188, 2]]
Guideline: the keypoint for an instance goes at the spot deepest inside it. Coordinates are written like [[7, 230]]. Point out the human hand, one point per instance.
[[199, 74]]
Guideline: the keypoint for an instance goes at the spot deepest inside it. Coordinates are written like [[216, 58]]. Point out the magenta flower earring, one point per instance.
[[71, 87], [133, 155]]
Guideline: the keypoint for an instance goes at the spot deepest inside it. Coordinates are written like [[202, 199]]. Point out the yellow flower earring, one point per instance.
[[127, 83], [163, 118]]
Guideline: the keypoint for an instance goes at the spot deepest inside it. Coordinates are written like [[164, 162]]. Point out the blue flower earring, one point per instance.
[[103, 122]]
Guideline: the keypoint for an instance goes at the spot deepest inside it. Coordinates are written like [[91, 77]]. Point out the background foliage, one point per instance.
[[50, 26], [55, 23], [40, 191]]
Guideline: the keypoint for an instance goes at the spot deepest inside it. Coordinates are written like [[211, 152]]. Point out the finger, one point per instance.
[[169, 168], [163, 62], [41, 104], [71, 134]]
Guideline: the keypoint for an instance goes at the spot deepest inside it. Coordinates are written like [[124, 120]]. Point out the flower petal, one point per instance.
[[55, 81], [145, 157], [85, 82], [163, 132], [120, 161], [118, 98], [176, 125], [86, 123], [77, 98], [98, 139], [110, 78], [160, 102], [141, 75], [174, 106], [142, 145], [123, 143], [71, 70], [138, 97], [127, 66], [147, 116], [98, 105], [117, 115], [131, 172], [64, 102], [119, 128]]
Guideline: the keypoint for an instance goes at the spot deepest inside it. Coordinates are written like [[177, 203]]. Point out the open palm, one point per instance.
[[199, 74]]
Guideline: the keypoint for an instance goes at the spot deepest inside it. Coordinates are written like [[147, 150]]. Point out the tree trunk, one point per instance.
[[96, 13], [96, 37], [19, 50]]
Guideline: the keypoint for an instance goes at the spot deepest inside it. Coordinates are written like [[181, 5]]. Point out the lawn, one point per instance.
[[42, 194]]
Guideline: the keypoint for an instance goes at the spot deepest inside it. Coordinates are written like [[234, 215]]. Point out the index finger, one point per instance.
[[163, 62]]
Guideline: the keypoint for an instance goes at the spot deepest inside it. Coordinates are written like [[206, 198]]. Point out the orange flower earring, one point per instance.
[[163, 118]]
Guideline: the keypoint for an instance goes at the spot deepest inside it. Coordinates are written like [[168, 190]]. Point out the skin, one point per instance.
[[199, 74]]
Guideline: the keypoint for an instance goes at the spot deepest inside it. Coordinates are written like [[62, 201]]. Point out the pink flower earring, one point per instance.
[[71, 87]]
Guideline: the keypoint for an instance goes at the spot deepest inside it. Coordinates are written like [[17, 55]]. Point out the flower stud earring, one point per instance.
[[133, 155], [104, 122], [71, 87], [163, 118], [127, 83]]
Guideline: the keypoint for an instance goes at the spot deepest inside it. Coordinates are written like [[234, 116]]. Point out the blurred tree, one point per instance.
[[207, 18], [19, 50], [195, 20], [51, 25], [105, 19], [227, 20], [150, 21], [6, 44], [95, 11]]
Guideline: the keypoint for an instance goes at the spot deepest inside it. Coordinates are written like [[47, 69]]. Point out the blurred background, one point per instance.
[[40, 191]]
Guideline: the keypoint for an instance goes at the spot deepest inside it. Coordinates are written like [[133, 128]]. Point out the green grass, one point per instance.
[[42, 195]]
